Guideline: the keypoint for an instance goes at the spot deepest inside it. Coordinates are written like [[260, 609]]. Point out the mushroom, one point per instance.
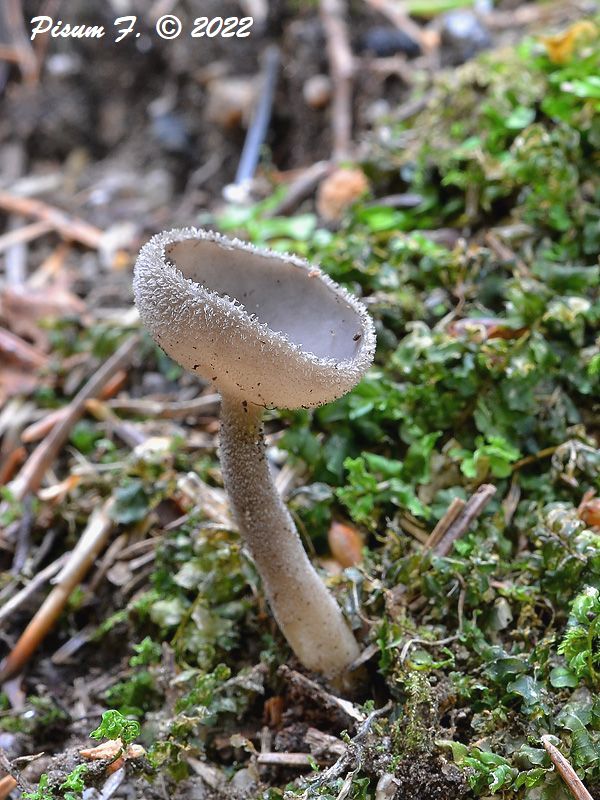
[[268, 330]]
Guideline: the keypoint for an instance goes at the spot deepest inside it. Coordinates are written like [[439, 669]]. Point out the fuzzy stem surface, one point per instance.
[[306, 612]]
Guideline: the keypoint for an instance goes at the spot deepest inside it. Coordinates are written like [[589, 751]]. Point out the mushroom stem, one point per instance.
[[306, 612]]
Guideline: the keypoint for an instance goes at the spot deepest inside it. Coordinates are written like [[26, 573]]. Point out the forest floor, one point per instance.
[[449, 500]]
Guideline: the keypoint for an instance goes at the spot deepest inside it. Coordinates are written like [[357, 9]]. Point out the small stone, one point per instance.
[[317, 91], [243, 782], [386, 787], [171, 133], [230, 101], [157, 187], [385, 42], [465, 35], [377, 110], [62, 65]]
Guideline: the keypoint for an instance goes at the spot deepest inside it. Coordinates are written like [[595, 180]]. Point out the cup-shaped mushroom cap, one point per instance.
[[269, 327]]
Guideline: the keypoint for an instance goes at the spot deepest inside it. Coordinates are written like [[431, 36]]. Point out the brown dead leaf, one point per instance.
[[23, 307], [14, 381], [273, 711], [338, 191], [17, 350]]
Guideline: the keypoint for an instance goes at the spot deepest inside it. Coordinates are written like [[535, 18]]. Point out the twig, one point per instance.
[[341, 65], [321, 695], [416, 531], [127, 432], [470, 512], [523, 462], [353, 754], [42, 427], [91, 542], [504, 253], [13, 348], [207, 404], [66, 651], [260, 121], [23, 537], [412, 107], [452, 512], [32, 473], [28, 64], [34, 584], [26, 233], [50, 267], [426, 643], [212, 501], [301, 187], [296, 760], [566, 771], [71, 228], [404, 200]]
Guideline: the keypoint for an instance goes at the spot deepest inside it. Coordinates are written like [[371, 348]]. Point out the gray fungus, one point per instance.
[[267, 330]]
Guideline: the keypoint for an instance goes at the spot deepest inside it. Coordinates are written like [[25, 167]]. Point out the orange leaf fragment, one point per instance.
[[7, 784], [273, 711], [589, 509], [58, 491], [561, 46], [345, 543], [338, 191]]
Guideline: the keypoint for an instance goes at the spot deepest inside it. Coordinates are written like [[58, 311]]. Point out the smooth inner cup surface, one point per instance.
[[289, 298]]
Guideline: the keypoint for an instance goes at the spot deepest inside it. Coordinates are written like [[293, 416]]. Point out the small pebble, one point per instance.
[[243, 781], [62, 64], [465, 35], [377, 110], [317, 91], [170, 132], [231, 100], [387, 787], [385, 42]]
